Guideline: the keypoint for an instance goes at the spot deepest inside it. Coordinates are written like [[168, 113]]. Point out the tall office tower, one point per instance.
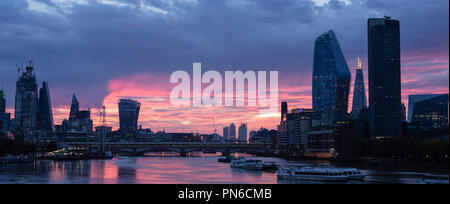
[[79, 121], [359, 91], [225, 133], [83, 122], [331, 78], [74, 108], [129, 115], [232, 133], [26, 100], [429, 111], [243, 132], [2, 102], [4, 117], [293, 132], [284, 110], [45, 113], [384, 77]]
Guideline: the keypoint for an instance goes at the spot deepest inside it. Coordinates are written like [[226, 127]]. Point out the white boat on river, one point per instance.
[[320, 173], [243, 163]]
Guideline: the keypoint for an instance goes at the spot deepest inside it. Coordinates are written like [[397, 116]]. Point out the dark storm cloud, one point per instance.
[[78, 46]]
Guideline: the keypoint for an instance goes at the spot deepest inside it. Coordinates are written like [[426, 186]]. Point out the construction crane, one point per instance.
[[103, 128], [103, 115]]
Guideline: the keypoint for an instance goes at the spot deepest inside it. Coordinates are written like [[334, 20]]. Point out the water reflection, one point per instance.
[[165, 168]]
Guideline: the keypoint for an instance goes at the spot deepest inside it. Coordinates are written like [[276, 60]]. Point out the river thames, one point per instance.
[[160, 168]]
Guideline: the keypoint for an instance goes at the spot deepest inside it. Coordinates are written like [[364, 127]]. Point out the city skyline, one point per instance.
[[420, 74]]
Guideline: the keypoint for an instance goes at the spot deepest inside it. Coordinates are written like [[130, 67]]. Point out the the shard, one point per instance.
[[359, 91]]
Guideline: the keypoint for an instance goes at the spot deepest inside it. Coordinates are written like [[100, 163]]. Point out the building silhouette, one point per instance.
[[74, 108], [293, 132], [26, 109], [331, 78], [232, 133], [359, 91], [263, 136], [79, 120], [284, 111], [129, 115], [430, 111], [4, 117], [384, 77], [243, 133], [2, 102], [225, 132], [45, 113]]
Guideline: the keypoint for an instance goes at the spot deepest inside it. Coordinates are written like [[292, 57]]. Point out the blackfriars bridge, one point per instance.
[[140, 148]]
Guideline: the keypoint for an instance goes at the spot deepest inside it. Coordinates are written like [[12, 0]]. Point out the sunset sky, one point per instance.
[[103, 50]]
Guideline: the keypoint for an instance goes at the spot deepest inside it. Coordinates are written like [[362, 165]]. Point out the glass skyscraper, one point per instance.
[[331, 78], [384, 77], [45, 113], [129, 115], [359, 91], [430, 110], [25, 113], [74, 108]]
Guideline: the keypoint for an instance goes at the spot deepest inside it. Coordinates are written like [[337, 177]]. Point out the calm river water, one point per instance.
[[164, 168]]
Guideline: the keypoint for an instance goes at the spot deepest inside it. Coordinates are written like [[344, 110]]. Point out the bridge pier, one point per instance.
[[182, 152], [226, 152]]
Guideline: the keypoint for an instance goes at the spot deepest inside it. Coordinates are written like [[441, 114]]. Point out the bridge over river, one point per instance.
[[140, 148]]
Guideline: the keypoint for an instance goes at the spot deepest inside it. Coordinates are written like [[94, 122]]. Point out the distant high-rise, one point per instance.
[[79, 121], [429, 110], [284, 110], [359, 91], [293, 132], [331, 78], [384, 77], [225, 132], [232, 133], [2, 102], [4, 117], [129, 115], [243, 133], [26, 100], [45, 113], [74, 108]]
